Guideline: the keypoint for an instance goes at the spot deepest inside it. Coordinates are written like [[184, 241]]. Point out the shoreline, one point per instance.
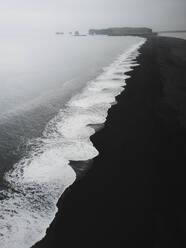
[[40, 178], [133, 194]]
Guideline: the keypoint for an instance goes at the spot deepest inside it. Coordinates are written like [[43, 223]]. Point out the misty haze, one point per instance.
[[92, 123]]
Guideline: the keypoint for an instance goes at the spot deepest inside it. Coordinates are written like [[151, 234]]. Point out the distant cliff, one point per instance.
[[123, 32]]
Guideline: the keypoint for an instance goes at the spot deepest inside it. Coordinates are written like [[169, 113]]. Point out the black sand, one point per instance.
[[134, 194]]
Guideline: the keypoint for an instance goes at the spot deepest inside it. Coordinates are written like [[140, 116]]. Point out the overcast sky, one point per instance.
[[70, 15]]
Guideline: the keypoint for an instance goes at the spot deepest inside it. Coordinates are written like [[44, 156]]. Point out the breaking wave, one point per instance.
[[35, 183]]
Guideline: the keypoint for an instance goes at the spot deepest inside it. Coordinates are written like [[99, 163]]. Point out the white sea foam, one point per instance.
[[38, 180]]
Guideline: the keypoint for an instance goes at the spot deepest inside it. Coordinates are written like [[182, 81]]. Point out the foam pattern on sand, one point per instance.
[[35, 183]]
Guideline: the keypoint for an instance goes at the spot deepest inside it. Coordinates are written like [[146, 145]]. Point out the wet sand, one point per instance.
[[133, 195]]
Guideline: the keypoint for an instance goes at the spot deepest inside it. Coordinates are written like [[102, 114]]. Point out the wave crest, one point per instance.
[[37, 181]]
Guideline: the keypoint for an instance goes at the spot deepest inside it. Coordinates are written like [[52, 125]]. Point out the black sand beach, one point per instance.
[[134, 193]]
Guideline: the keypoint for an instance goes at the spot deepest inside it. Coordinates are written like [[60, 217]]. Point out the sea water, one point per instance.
[[180, 35], [54, 89]]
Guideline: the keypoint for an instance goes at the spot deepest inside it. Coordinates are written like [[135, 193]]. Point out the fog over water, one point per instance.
[[69, 15], [38, 66]]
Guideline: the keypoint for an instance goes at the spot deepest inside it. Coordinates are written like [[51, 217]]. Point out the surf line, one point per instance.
[[38, 180]]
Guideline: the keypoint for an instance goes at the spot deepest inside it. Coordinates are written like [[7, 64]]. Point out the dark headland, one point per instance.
[[124, 31], [134, 194]]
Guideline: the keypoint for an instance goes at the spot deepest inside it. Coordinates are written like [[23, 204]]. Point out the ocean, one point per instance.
[[55, 93], [175, 35]]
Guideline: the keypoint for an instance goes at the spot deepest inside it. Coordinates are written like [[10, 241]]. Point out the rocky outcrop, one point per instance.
[[123, 31]]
